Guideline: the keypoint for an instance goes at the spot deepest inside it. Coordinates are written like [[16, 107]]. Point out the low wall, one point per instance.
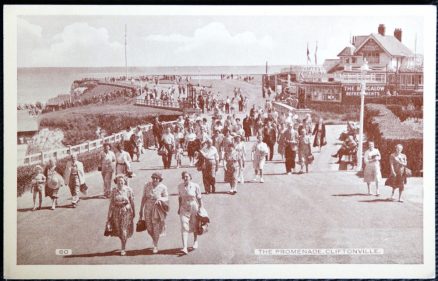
[[284, 108]]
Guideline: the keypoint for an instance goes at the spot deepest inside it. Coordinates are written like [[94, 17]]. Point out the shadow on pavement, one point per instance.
[[48, 208], [143, 252], [351, 194], [377, 200], [217, 192], [100, 196], [274, 174]]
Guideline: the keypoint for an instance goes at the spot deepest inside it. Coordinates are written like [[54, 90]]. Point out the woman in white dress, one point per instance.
[[189, 203], [123, 161], [372, 167], [258, 156]]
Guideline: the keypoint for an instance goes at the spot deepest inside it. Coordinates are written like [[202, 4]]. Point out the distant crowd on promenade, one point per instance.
[[222, 141], [34, 109]]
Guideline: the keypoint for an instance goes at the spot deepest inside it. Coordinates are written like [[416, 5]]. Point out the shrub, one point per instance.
[[386, 130], [26, 173]]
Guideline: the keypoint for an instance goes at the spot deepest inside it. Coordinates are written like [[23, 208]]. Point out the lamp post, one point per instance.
[[364, 68]]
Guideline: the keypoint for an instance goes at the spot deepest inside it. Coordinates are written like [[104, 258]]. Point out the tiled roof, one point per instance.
[[390, 44], [330, 63], [347, 51], [26, 122], [358, 40]]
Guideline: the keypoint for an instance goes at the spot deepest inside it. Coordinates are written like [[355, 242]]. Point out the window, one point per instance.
[[324, 93], [353, 60], [372, 57]]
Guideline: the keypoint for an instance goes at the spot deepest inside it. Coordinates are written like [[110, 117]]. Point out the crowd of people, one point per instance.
[[209, 145], [245, 78], [79, 100], [34, 109]]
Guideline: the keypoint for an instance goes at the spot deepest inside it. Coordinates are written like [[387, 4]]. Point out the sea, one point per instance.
[[42, 83]]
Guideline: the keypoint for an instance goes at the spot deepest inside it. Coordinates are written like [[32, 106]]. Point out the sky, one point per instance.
[[98, 41]]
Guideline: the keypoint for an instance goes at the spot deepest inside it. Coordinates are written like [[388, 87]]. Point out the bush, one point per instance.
[[385, 129], [26, 173]]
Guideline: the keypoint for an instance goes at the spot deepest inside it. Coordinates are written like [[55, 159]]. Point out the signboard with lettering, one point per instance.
[[351, 92]]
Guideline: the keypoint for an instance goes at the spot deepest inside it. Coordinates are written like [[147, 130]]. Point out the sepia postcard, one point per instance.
[[219, 142]]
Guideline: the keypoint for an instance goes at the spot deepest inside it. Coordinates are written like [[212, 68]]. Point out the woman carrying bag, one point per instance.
[[121, 212], [189, 203], [154, 206]]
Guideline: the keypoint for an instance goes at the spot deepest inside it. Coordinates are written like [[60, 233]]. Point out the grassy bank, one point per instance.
[[80, 124]]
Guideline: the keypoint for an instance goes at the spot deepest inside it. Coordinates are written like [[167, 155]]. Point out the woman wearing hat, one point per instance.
[[211, 165], [154, 194], [189, 203], [121, 211], [74, 177], [53, 182]]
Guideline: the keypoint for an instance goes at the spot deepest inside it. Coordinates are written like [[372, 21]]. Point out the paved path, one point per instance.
[[326, 208]]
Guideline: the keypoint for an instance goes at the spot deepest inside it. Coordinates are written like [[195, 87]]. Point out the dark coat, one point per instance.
[[321, 140]]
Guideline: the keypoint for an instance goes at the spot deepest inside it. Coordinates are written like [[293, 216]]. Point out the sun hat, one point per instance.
[[55, 181], [157, 175]]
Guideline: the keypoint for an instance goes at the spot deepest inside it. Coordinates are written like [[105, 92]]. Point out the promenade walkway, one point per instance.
[[326, 208]]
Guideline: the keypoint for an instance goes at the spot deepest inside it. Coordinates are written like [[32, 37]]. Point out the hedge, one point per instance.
[[404, 100], [26, 173], [383, 127], [403, 113]]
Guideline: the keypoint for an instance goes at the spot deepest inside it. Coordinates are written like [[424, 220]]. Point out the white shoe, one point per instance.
[[195, 245], [262, 180], [155, 250], [185, 251]]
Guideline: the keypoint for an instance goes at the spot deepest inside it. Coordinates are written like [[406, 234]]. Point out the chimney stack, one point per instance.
[[381, 29], [398, 34]]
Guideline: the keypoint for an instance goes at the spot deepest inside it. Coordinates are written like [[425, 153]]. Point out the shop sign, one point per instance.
[[370, 90]]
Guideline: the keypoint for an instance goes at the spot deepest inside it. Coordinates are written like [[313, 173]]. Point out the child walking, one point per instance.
[[179, 155], [38, 183]]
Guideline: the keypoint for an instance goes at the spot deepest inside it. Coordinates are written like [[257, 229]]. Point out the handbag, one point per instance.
[[162, 151], [84, 188], [408, 172], [108, 229], [389, 181], [310, 158], [129, 174], [141, 226]]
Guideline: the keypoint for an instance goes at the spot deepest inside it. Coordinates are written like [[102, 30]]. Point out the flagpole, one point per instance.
[[316, 56], [126, 54]]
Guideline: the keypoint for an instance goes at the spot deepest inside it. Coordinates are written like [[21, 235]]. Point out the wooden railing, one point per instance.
[[284, 108], [42, 157], [158, 103]]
